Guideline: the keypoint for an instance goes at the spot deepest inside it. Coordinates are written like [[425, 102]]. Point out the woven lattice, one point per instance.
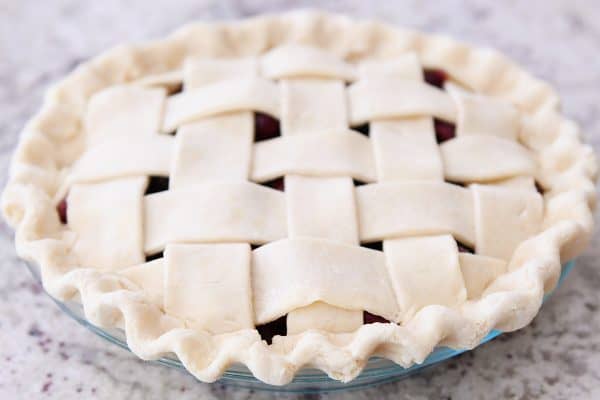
[[310, 265]]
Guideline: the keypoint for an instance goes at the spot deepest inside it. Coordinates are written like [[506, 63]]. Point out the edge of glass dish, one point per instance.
[[377, 371]]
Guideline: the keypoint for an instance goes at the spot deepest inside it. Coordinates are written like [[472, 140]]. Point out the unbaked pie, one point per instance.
[[301, 190]]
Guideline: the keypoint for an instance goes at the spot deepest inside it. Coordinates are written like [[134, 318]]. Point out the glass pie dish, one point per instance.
[[377, 371]]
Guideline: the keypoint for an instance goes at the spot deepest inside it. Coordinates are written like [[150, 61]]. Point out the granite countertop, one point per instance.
[[45, 354]]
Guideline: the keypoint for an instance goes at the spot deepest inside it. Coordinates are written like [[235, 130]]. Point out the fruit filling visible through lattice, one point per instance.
[[298, 191]]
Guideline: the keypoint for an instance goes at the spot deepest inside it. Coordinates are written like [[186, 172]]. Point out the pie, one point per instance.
[[301, 190]]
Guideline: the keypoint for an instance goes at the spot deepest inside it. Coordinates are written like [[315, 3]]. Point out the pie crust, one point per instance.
[[322, 76]]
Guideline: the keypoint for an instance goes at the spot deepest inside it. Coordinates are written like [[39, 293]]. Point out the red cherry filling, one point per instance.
[[175, 89], [539, 188], [61, 209], [364, 128], [277, 184], [273, 328], [464, 248], [373, 245], [155, 256], [157, 184], [265, 127], [443, 130], [369, 318], [435, 77]]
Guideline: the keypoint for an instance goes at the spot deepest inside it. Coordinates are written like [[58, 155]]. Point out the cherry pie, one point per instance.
[[301, 190]]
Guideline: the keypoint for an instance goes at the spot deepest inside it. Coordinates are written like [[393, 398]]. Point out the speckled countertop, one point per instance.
[[45, 354]]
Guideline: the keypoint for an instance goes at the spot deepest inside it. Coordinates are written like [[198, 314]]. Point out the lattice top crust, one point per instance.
[[301, 189]]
